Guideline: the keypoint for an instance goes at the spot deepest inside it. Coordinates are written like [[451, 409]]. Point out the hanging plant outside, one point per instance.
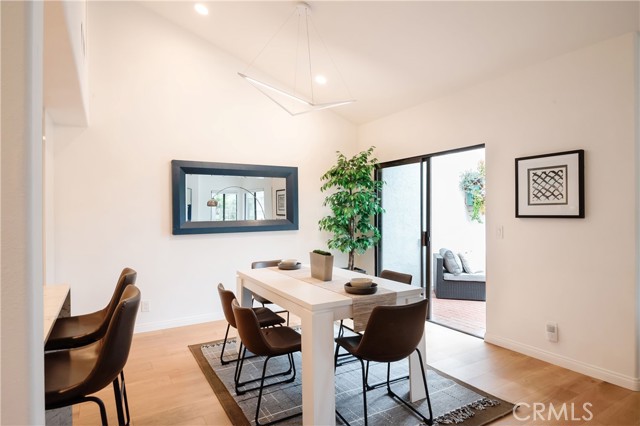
[[472, 183]]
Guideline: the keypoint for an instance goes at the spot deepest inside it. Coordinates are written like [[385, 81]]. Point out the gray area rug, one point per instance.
[[452, 401]]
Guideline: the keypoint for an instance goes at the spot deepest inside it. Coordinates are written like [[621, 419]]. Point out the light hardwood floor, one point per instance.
[[166, 387]]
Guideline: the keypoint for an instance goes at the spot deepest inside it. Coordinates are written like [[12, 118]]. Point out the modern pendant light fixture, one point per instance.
[[311, 89]]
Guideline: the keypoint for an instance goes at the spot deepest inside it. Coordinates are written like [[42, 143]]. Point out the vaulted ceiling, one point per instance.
[[393, 55]]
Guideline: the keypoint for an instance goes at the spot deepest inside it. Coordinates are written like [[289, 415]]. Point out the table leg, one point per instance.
[[318, 376], [243, 294]]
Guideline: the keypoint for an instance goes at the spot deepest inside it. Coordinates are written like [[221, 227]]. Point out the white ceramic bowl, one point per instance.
[[289, 262], [361, 282]]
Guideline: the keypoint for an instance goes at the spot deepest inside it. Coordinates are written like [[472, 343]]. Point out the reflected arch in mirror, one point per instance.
[[227, 197]]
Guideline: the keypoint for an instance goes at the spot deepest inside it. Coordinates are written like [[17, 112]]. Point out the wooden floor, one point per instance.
[[166, 387]]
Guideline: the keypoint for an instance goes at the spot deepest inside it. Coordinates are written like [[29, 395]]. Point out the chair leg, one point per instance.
[[262, 386], [364, 388], [226, 334], [364, 393], [126, 400], [428, 421], [120, 394], [238, 373], [380, 384], [118, 398], [103, 411]]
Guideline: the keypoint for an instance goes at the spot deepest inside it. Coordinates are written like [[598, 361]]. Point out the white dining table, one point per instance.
[[54, 298], [318, 308]]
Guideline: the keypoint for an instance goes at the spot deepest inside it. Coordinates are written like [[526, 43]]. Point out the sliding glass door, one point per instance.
[[425, 210], [403, 223]]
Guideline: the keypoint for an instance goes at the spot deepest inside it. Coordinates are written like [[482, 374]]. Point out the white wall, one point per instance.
[[159, 93], [451, 224], [48, 202], [580, 273]]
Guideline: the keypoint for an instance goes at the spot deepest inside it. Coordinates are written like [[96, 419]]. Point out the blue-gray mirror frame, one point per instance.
[[179, 170]]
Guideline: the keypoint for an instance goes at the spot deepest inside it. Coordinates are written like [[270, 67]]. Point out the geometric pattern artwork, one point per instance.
[[548, 185]]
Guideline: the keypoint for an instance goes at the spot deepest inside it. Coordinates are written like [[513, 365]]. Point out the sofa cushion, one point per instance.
[[478, 278], [452, 262], [468, 263]]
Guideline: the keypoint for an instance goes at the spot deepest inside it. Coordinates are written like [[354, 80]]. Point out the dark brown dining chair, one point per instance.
[[401, 278], [389, 275], [270, 343], [266, 317], [267, 264], [392, 334], [80, 330], [73, 375], [396, 276]]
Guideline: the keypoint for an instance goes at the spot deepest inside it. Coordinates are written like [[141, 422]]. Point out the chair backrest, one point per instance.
[[115, 345], [396, 276], [226, 298], [393, 332], [127, 277], [249, 330], [265, 263]]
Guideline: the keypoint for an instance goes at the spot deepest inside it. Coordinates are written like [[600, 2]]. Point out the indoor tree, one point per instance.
[[354, 202]]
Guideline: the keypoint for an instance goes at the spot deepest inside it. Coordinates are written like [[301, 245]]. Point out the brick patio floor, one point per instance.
[[468, 316]]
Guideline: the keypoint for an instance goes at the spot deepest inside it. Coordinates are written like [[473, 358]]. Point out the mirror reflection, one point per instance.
[[212, 198], [220, 198]]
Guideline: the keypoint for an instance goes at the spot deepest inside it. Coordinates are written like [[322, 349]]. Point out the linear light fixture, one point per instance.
[[293, 101]]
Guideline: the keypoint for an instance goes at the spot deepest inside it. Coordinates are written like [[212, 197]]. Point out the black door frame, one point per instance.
[[425, 212]]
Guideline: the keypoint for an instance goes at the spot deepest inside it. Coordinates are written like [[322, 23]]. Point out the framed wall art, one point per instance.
[[281, 202], [550, 185]]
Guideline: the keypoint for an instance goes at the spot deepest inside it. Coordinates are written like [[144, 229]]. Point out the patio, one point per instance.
[[467, 316]]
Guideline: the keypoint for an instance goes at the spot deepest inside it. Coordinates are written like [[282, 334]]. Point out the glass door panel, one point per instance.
[[400, 224]]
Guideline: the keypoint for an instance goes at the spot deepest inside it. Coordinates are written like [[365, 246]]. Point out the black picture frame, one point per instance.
[[550, 185], [281, 202]]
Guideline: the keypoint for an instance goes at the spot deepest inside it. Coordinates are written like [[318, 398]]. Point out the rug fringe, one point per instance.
[[463, 413]]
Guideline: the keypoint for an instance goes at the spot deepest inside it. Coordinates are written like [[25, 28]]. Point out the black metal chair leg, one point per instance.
[[226, 334], [380, 384], [364, 393], [239, 384], [262, 386], [428, 421], [118, 397], [103, 411], [125, 399]]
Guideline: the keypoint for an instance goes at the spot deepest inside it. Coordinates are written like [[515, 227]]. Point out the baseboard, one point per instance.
[[178, 322], [632, 383]]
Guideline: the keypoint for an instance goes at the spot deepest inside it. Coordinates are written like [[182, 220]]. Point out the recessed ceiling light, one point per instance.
[[201, 9], [321, 79]]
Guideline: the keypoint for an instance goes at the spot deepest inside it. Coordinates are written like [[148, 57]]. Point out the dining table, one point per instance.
[[319, 304], [56, 301]]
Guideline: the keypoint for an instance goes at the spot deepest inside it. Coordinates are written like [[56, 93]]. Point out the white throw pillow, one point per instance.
[[469, 265], [452, 262]]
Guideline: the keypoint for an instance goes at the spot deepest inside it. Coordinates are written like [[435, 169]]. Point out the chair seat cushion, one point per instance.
[[76, 331], [267, 318], [65, 373], [282, 340]]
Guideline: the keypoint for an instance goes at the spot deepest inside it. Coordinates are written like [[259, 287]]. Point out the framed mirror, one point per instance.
[[226, 197]]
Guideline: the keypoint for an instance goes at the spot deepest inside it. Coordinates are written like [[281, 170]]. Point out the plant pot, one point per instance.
[[321, 266]]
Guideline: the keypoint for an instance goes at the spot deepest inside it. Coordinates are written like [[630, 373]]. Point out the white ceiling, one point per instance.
[[393, 55]]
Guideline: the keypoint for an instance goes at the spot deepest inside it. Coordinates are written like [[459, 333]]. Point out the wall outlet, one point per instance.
[[552, 331], [144, 306]]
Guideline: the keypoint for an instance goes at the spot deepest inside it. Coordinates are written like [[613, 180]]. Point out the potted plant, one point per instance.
[[354, 202], [321, 265], [472, 183]]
